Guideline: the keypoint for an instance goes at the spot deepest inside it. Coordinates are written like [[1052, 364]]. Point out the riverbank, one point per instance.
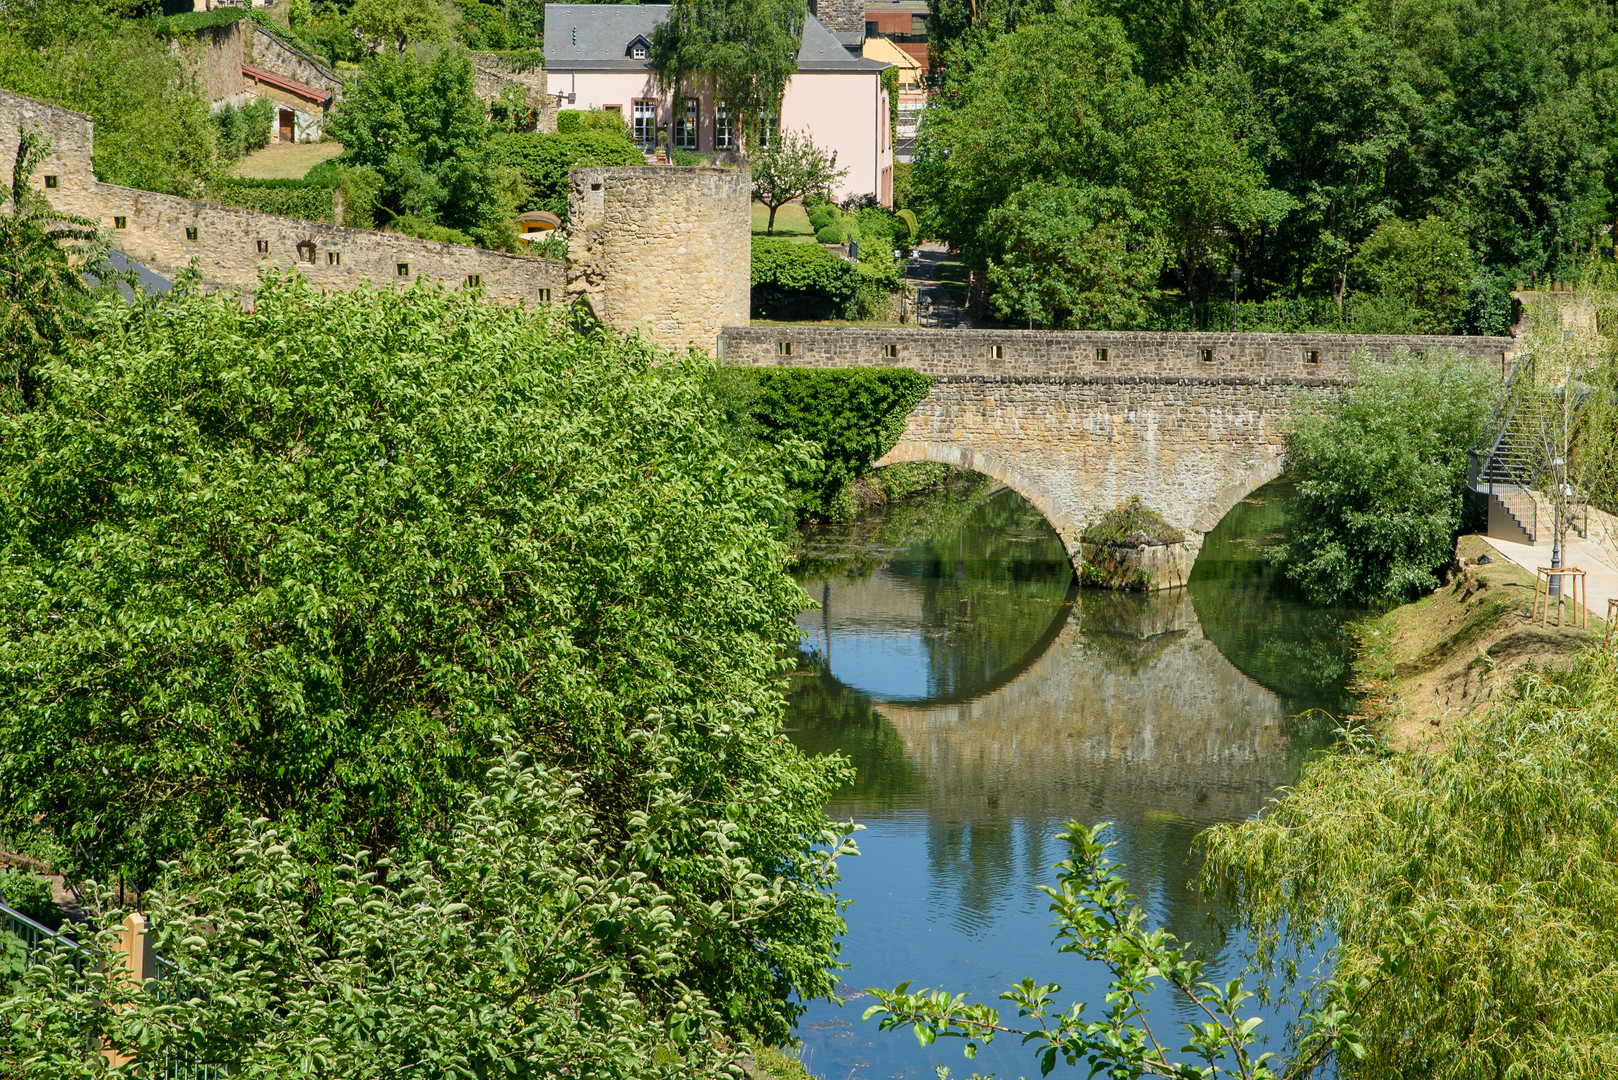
[[1427, 663], [889, 484]]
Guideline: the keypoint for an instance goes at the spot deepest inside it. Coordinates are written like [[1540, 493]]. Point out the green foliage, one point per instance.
[[1131, 524], [746, 50], [418, 122], [30, 894], [519, 946], [1383, 473], [1063, 257], [1416, 276], [186, 24], [544, 160], [1097, 920], [791, 167], [44, 257], [152, 129], [909, 218], [830, 233], [397, 22], [576, 120], [288, 198], [423, 229], [241, 130], [851, 416], [360, 187], [1471, 889], [802, 281]]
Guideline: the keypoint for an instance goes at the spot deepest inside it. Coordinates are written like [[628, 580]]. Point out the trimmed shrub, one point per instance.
[[288, 198], [801, 281], [908, 217], [829, 234], [544, 159], [573, 121]]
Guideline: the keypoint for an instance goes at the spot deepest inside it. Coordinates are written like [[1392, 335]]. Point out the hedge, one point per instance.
[[545, 158], [801, 281], [287, 198]]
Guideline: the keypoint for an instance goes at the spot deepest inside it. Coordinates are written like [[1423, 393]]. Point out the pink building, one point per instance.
[[596, 58]]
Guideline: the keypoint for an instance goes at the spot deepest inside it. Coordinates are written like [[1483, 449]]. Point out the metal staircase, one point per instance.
[[1502, 468]]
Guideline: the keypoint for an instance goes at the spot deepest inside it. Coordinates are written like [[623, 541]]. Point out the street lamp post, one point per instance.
[[1554, 588]]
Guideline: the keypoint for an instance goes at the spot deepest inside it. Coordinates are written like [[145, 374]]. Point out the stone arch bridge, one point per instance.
[[1076, 422]]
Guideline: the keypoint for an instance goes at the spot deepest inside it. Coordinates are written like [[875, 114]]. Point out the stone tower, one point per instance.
[[665, 248]]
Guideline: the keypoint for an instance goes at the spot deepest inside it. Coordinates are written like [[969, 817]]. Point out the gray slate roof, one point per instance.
[[596, 37]]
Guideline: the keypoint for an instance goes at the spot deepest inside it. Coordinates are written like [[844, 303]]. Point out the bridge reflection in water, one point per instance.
[[983, 700]]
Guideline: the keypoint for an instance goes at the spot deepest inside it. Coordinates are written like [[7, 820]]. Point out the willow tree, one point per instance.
[[747, 50]]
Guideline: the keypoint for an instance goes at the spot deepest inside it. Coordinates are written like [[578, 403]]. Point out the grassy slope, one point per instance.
[[790, 221], [285, 161], [1427, 662]]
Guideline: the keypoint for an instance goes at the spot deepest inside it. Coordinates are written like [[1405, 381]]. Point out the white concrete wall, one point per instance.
[[846, 113]]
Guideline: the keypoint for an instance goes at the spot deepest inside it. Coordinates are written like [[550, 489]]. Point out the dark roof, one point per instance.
[[596, 37]]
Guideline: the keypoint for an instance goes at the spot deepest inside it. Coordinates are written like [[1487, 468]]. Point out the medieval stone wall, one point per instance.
[[495, 73], [217, 57], [270, 52], [668, 250], [1084, 353]]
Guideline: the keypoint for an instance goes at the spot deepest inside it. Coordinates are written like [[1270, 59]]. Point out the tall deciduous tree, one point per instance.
[[1415, 274], [1064, 257], [398, 22], [791, 167], [747, 50]]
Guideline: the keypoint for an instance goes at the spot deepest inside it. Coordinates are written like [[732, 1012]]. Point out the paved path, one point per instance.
[[1596, 560], [938, 306]]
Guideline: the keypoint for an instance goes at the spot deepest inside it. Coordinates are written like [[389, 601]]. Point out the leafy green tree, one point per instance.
[[1383, 473], [1097, 920], [1199, 180], [1055, 99], [313, 562], [419, 123], [519, 946], [398, 22], [746, 50], [1469, 891], [1416, 274], [43, 258], [791, 167], [1065, 257]]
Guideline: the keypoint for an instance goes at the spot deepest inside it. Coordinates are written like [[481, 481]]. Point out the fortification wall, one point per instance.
[[216, 59], [668, 250], [495, 73], [230, 245], [1078, 354]]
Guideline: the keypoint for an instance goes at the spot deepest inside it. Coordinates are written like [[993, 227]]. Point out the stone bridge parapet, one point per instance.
[[1077, 422]]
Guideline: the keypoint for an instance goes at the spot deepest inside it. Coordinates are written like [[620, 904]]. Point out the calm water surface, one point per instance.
[[984, 701]]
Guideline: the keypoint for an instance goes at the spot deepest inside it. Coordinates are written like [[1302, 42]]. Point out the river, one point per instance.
[[984, 700]]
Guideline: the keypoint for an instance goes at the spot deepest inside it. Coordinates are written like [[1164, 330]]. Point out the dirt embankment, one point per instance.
[[1426, 663]]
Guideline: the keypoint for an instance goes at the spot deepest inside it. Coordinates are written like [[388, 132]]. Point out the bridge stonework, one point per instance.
[[1077, 422]]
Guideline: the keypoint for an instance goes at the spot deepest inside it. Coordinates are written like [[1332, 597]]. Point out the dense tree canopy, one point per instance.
[[746, 49], [318, 562], [1280, 136]]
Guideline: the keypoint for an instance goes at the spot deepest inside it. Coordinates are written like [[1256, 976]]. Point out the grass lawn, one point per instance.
[[285, 161], [790, 220]]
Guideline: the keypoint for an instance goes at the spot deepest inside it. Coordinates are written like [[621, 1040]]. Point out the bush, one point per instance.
[[244, 129], [544, 159], [421, 228], [330, 559], [573, 121], [801, 281], [822, 217], [908, 218], [1383, 473], [1415, 275], [288, 198], [31, 895], [1131, 524], [830, 233], [852, 416]]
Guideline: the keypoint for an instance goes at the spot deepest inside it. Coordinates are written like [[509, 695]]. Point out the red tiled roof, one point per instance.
[[291, 86]]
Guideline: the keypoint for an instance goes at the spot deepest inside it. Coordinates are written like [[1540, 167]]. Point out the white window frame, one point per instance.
[[643, 125], [769, 128], [638, 52], [724, 129], [685, 124]]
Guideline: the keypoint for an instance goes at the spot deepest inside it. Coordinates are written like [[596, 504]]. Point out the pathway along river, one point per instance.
[[984, 700]]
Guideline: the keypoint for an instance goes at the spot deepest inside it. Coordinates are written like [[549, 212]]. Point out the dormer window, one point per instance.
[[638, 52], [638, 48]]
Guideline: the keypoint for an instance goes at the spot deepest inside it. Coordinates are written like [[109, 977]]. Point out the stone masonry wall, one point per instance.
[[841, 16], [230, 245], [270, 52], [662, 248], [217, 57], [1075, 353]]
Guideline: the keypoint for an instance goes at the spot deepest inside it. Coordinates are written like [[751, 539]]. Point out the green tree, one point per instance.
[[1416, 274], [1053, 100], [43, 258], [746, 50], [1383, 474], [791, 167], [1470, 891], [398, 22], [1065, 257], [419, 123], [313, 562]]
